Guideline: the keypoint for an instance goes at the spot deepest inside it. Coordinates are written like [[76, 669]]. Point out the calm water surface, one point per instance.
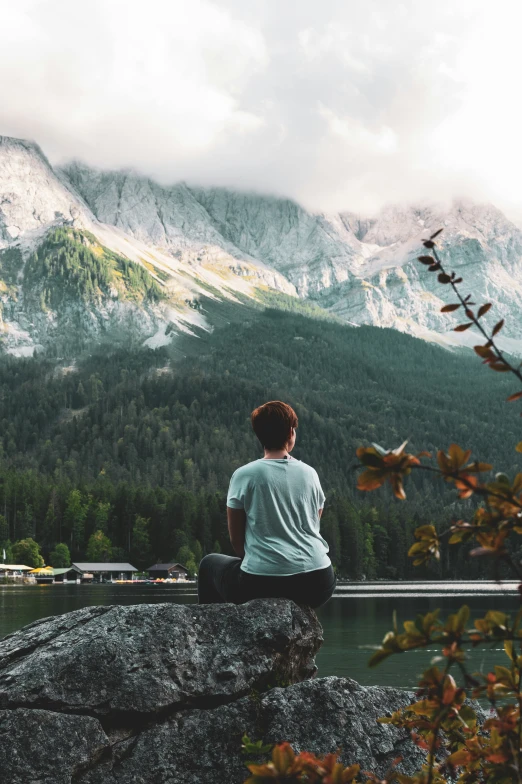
[[356, 617]]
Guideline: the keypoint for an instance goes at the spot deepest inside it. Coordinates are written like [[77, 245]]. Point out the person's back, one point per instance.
[[274, 506], [281, 498]]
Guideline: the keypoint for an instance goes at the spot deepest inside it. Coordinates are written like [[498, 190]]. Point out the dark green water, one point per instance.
[[351, 620]]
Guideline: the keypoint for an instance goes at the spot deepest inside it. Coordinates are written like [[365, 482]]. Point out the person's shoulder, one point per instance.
[[247, 470], [306, 469]]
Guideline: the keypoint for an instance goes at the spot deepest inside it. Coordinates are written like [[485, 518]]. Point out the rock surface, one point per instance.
[[43, 746], [32, 195], [321, 716], [164, 693], [362, 269], [146, 659], [198, 242], [35, 197]]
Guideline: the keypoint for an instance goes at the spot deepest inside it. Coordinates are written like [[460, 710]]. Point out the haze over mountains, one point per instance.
[[194, 244]]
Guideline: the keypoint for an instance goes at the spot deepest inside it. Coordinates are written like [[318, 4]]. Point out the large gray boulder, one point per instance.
[[325, 715], [43, 746], [146, 659], [157, 694]]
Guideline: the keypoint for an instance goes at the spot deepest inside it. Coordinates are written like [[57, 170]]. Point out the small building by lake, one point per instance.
[[14, 569], [105, 572], [15, 572], [164, 571], [47, 575], [67, 574]]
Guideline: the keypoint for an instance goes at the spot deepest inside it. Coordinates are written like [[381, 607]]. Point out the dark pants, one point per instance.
[[221, 580]]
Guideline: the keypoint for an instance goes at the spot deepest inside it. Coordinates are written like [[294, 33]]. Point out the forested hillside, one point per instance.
[[141, 446], [72, 265]]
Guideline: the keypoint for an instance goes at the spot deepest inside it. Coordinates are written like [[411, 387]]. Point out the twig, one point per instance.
[[476, 321]]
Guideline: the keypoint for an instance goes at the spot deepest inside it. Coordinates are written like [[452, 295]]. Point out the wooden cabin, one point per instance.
[[162, 571]]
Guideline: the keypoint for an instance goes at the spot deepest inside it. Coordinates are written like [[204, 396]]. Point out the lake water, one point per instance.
[[357, 616]]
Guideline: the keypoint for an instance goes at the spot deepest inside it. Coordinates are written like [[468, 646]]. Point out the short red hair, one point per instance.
[[272, 424]]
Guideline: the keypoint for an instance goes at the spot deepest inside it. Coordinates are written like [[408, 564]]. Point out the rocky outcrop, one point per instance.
[[32, 195], [200, 746], [173, 219], [198, 241], [364, 270], [163, 693], [165, 230], [133, 662], [43, 746]]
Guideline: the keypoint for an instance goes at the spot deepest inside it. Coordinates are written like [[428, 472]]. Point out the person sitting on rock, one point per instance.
[[274, 506]]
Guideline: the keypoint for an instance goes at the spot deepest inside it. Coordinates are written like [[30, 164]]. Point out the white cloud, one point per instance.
[[339, 104], [359, 138], [331, 42], [120, 82]]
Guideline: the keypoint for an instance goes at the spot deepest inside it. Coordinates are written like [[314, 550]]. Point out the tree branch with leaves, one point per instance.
[[441, 720]]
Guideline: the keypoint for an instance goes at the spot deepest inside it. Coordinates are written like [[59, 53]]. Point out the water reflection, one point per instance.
[[352, 623]]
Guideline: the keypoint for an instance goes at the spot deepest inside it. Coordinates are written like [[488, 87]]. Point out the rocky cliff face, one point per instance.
[[362, 269], [391, 289], [175, 244], [215, 242], [313, 253], [165, 692], [170, 219], [32, 195]]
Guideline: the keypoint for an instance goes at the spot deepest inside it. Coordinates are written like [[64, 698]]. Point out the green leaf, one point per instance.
[[497, 618], [462, 617]]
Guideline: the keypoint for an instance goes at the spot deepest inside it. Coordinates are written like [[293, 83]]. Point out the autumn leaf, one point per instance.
[[370, 480], [498, 326], [449, 690], [459, 758], [483, 351]]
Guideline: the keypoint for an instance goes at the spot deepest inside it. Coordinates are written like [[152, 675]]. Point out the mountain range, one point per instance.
[[89, 256]]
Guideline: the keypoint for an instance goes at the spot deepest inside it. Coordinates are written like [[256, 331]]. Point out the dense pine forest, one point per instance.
[[72, 264], [127, 455]]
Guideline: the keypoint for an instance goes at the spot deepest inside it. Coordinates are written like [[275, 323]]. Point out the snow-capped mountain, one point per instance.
[[35, 199], [364, 270], [391, 289], [196, 242]]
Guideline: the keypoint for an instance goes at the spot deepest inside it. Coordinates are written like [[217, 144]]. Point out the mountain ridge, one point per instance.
[[198, 242], [362, 269], [35, 199]]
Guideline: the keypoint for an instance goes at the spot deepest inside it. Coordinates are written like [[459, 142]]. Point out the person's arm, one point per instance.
[[236, 530], [320, 495]]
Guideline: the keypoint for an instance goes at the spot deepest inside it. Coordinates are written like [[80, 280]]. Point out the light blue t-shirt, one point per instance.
[[281, 499]]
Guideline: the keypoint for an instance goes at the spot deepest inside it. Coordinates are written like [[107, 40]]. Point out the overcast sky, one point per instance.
[[340, 104]]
